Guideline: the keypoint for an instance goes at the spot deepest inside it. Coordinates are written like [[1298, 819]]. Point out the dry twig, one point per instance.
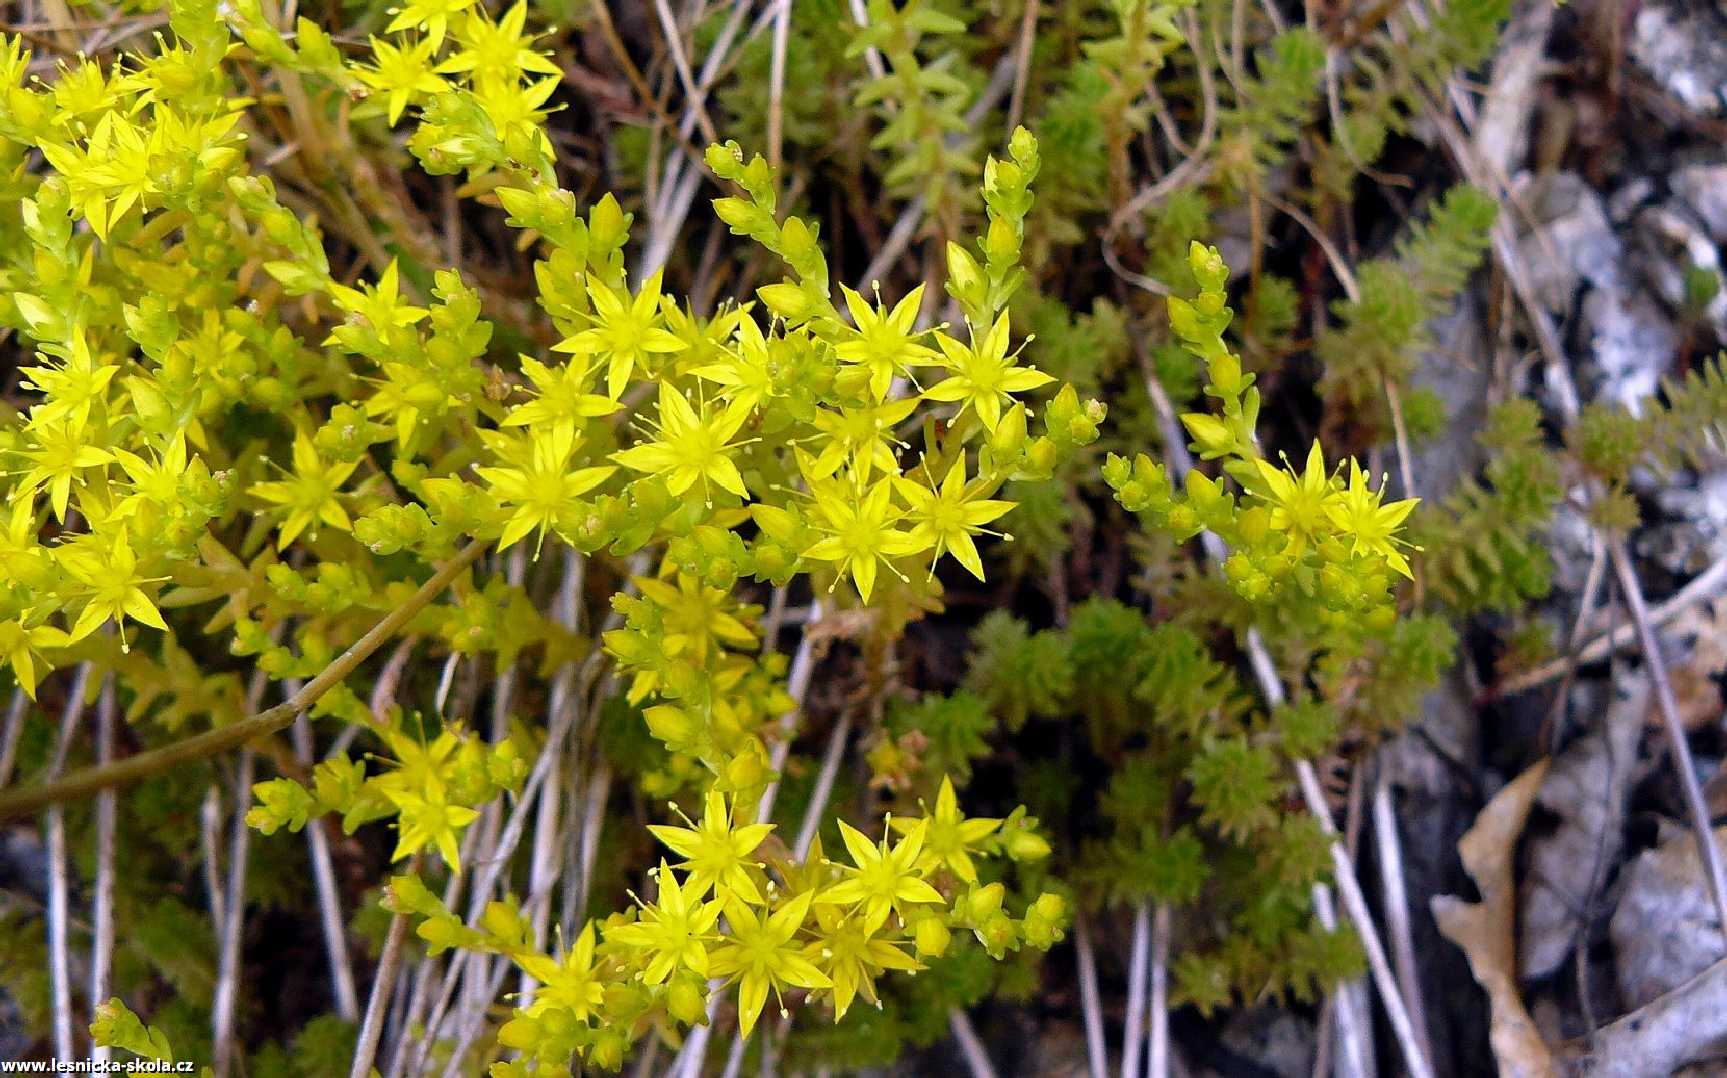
[[233, 922], [1139, 956], [970, 1046], [1157, 1048], [1096, 1052], [329, 900], [59, 945], [102, 915], [20, 802]]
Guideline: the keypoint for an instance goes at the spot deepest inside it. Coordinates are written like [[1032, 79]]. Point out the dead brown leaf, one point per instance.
[[1487, 930], [841, 625], [1694, 677]]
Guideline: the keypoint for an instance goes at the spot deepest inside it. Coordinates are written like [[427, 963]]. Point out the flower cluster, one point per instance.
[[220, 419], [741, 909], [433, 788], [1304, 537]]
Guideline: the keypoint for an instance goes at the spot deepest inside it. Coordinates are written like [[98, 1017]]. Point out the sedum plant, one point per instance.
[[337, 364], [232, 444], [1195, 815]]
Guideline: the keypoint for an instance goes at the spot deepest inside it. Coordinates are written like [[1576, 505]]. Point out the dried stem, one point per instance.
[[329, 899], [233, 923], [872, 55], [389, 964], [486, 827], [333, 926], [21, 802], [688, 1062], [1096, 1053], [1022, 64], [667, 217], [777, 83], [404, 1055], [969, 1045], [59, 949], [485, 984], [696, 100], [1704, 587], [735, 1057], [102, 915], [470, 1030], [593, 821], [1349, 1022], [210, 831], [1389, 848], [1193, 166], [824, 787], [543, 864], [1157, 1050], [234, 902], [1138, 956], [797, 687], [9, 737], [650, 100], [1695, 806], [1564, 391], [1387, 842]]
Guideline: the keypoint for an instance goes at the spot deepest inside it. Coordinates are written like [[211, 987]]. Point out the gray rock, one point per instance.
[[1574, 243], [1703, 511], [1274, 1039], [1702, 186], [1627, 342], [1673, 245], [1664, 930], [1681, 47], [1585, 791], [1438, 463]]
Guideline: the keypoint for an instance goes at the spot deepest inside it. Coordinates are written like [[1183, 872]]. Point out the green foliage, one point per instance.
[[1380, 336], [1690, 429], [1258, 130], [949, 732], [923, 102], [1018, 673], [1197, 776], [1395, 74], [1484, 546], [323, 1046]]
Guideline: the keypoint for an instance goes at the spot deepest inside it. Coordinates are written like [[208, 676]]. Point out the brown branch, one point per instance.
[[26, 800]]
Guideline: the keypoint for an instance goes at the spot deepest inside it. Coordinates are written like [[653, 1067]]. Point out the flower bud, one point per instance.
[[931, 937], [607, 1052], [997, 934], [1022, 147], [1211, 435], [1027, 845], [685, 1000], [983, 902], [1045, 920], [1207, 266]]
